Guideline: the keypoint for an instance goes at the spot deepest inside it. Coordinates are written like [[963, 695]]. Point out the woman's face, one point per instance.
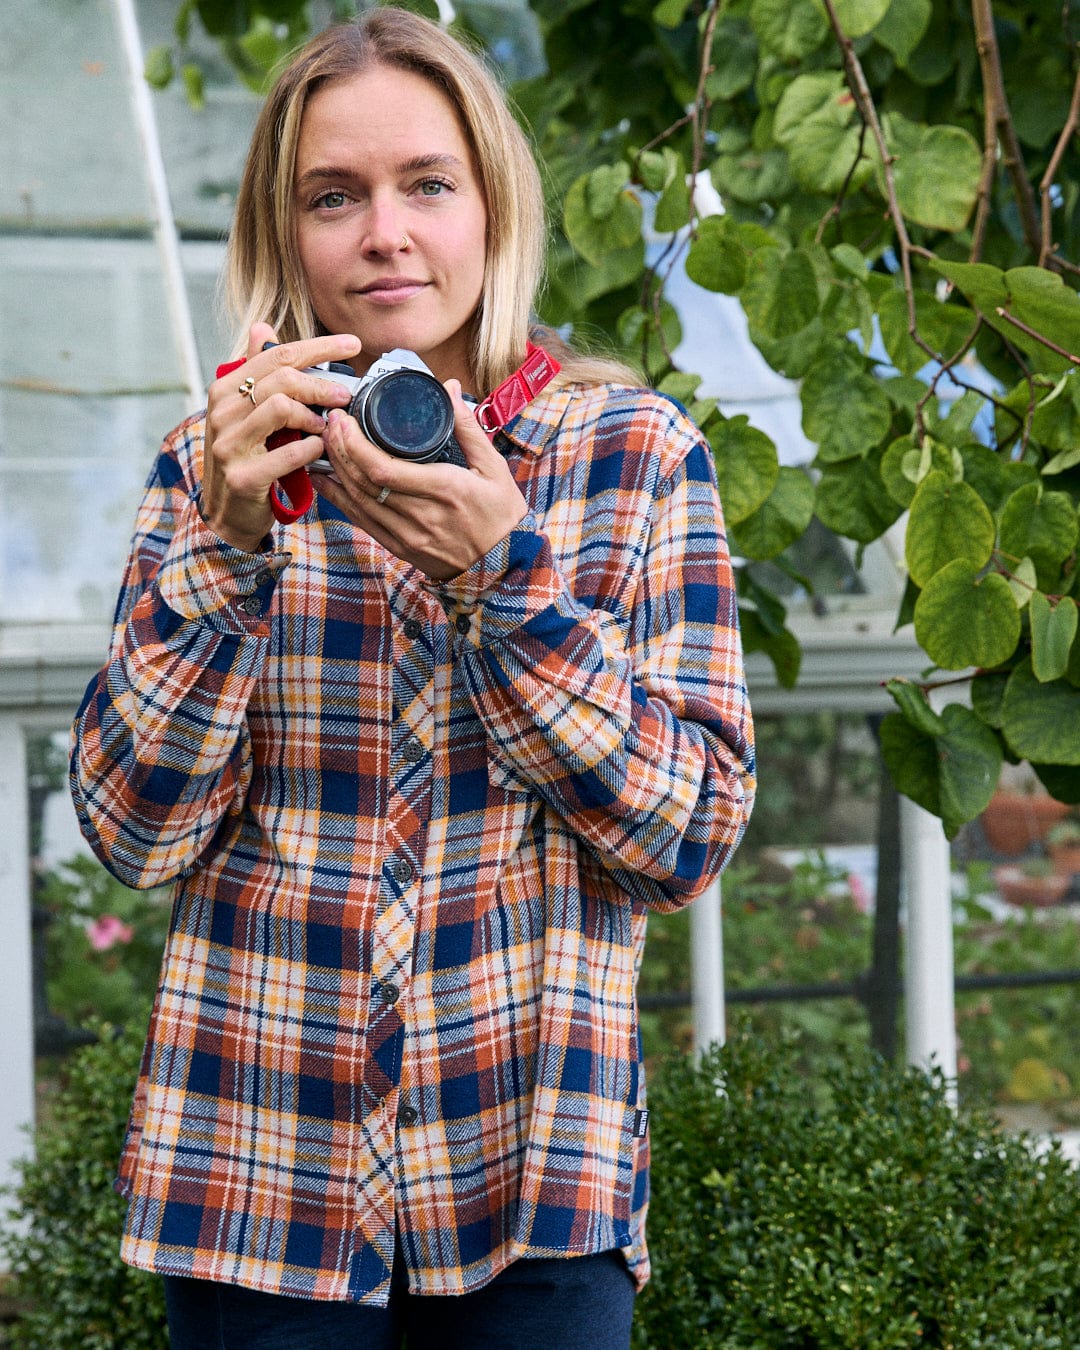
[[382, 158]]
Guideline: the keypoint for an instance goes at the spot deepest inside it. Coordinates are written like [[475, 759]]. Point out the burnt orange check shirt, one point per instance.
[[414, 830]]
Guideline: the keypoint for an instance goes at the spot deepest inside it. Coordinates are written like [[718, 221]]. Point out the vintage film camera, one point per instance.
[[401, 407]]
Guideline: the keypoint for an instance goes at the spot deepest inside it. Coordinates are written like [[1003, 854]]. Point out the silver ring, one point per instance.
[[383, 495], [248, 388]]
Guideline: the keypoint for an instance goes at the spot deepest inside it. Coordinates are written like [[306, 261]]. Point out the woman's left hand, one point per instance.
[[439, 517]]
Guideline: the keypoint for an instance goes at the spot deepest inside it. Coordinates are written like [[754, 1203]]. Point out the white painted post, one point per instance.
[[707, 969], [168, 240], [928, 947], [16, 988]]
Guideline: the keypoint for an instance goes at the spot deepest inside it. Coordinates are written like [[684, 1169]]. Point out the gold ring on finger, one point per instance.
[[248, 388]]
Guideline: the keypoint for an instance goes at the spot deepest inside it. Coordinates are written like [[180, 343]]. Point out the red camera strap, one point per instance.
[[293, 494], [500, 407]]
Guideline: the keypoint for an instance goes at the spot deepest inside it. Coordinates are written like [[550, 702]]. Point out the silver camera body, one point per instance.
[[400, 406]]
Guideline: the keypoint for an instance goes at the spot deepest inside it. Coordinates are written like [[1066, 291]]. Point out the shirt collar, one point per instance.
[[539, 420]]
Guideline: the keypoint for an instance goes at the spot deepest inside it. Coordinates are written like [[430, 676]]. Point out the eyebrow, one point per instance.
[[324, 173]]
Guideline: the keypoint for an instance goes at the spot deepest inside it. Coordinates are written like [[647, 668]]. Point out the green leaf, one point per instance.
[[753, 175], [780, 294], [952, 774], [1041, 721], [859, 17], [192, 77], [911, 757], [987, 696], [1039, 525], [936, 172], [962, 619], [970, 760], [746, 465], [158, 70], [903, 466], [673, 208], [983, 285], [949, 520], [913, 703], [942, 327], [903, 27], [838, 379], [1053, 628], [1041, 299], [603, 190], [1023, 582], [734, 59], [599, 219], [780, 519], [782, 648], [225, 18], [1063, 784], [816, 123], [670, 13], [638, 331], [717, 258], [789, 29], [851, 500]]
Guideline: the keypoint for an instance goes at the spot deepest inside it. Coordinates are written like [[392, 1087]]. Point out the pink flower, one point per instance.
[[860, 893], [107, 931]]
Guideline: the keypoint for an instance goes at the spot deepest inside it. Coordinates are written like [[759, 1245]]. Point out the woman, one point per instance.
[[418, 763]]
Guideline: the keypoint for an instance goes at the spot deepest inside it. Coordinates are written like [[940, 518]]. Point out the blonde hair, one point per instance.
[[264, 279]]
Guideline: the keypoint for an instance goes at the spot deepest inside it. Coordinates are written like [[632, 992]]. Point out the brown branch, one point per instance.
[[864, 101], [945, 368], [1046, 252], [1043, 341], [999, 121]]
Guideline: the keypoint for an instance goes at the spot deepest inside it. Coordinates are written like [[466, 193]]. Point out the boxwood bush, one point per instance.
[[62, 1250], [857, 1210], [854, 1210]]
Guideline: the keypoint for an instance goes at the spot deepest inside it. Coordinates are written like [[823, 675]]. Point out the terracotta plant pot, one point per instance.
[[1013, 821], [1065, 858], [1036, 892]]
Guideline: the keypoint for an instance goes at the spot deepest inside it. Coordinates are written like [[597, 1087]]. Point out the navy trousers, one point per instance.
[[576, 1303]]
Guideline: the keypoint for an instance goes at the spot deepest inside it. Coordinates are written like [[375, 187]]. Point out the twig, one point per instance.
[[998, 120], [1071, 122], [1043, 341]]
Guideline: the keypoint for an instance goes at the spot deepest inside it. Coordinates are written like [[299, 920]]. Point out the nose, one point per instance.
[[385, 233]]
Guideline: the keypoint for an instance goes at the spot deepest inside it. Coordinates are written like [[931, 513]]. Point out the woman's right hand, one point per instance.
[[238, 469]]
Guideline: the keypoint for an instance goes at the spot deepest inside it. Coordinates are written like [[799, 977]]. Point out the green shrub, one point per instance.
[[103, 942], [859, 1211], [63, 1247]]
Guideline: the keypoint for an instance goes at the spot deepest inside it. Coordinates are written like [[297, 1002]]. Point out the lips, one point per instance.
[[392, 290]]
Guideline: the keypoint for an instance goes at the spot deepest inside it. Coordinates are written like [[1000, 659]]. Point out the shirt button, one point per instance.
[[263, 575], [389, 993], [412, 751], [402, 870], [413, 629], [462, 623], [251, 604], [407, 1115]]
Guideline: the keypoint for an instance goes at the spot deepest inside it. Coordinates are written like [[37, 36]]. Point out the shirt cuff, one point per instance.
[[204, 578], [500, 591]]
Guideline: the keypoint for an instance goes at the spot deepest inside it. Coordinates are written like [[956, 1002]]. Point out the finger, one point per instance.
[[476, 446], [307, 351], [258, 337]]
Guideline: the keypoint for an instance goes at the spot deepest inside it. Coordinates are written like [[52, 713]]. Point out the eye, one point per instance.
[[331, 200], [434, 187]]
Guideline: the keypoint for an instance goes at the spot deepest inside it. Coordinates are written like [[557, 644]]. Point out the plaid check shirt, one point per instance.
[[415, 828]]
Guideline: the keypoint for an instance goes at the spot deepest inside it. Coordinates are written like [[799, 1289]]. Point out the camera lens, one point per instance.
[[407, 413]]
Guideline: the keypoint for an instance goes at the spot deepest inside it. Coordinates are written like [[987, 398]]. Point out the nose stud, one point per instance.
[[404, 242]]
